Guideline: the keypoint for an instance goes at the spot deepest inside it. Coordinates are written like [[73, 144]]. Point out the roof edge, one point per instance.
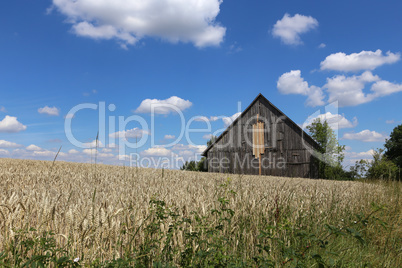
[[245, 110]]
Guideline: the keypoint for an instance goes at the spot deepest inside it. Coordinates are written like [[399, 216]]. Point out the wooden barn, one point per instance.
[[263, 141]]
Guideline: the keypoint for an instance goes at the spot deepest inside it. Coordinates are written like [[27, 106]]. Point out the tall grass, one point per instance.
[[147, 217]]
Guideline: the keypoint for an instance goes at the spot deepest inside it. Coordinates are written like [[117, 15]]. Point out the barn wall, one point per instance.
[[284, 154]]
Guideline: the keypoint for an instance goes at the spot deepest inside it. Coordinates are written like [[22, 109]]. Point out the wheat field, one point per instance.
[[93, 210]]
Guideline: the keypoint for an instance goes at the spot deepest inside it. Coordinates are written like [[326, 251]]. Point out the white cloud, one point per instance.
[[33, 147], [348, 91], [87, 29], [163, 106], [335, 121], [366, 136], [365, 60], [89, 151], [129, 21], [194, 148], [292, 83], [72, 155], [131, 133], [384, 88], [45, 153], [157, 151], [229, 120], [94, 144], [206, 119], [360, 155], [322, 45], [99, 154], [208, 136], [53, 111], [289, 29], [3, 109], [112, 145], [234, 48], [107, 150], [392, 121], [169, 137], [10, 124], [9, 144], [4, 152]]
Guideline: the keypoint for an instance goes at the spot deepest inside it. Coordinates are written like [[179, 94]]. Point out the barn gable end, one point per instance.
[[287, 149]]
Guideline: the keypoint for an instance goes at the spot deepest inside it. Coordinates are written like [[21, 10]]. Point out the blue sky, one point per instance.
[[210, 55]]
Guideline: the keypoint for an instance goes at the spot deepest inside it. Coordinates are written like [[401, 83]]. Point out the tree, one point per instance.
[[381, 167], [359, 170], [201, 165], [393, 146], [212, 140], [190, 166], [330, 152]]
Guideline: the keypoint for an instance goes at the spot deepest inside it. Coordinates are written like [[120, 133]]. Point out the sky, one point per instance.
[[72, 70]]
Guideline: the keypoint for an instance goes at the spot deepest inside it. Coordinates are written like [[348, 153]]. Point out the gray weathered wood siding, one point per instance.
[[283, 140]]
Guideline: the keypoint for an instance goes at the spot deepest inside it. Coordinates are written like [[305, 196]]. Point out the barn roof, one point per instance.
[[260, 96]]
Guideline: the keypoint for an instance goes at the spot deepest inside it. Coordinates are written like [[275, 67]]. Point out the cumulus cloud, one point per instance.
[[53, 111], [322, 45], [188, 21], [208, 136], [169, 137], [289, 29], [10, 124], [229, 120], [206, 119], [156, 151], [9, 144], [365, 60], [193, 148], [292, 83], [4, 152], [361, 155], [335, 121], [163, 106], [384, 88], [366, 136], [71, 155], [94, 144], [33, 147], [131, 133], [349, 90]]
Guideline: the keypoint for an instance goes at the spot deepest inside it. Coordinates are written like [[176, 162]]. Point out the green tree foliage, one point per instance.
[[359, 170], [382, 168], [201, 165], [394, 146], [196, 166], [212, 140], [330, 152], [190, 166]]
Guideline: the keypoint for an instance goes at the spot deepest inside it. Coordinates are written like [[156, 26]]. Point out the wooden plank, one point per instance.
[[254, 141], [262, 142]]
